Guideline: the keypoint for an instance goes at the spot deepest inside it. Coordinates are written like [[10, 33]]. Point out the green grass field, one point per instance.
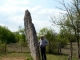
[[26, 56], [15, 56], [58, 57], [14, 53]]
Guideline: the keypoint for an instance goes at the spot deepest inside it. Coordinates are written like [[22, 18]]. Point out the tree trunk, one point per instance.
[[59, 48], [71, 50], [77, 36]]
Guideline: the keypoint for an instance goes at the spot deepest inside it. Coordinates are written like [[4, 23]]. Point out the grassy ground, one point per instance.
[[15, 56], [26, 56], [58, 57], [13, 53]]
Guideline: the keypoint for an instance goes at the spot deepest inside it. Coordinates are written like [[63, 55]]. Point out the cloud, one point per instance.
[[12, 14], [45, 23], [41, 18], [35, 9], [2, 24], [11, 6], [39, 24], [16, 2], [51, 11]]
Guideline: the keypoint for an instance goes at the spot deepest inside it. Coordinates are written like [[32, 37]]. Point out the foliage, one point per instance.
[[16, 35], [2, 47], [22, 39], [50, 35], [65, 37], [69, 23], [6, 35]]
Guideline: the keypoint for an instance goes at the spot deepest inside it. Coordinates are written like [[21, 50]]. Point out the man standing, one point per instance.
[[43, 43]]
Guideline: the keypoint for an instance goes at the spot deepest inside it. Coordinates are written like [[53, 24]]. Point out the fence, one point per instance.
[[15, 47], [66, 50]]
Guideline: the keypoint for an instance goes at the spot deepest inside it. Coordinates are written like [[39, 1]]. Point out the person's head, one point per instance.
[[42, 37]]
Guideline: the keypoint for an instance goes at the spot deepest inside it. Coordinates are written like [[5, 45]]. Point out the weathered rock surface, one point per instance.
[[31, 36]]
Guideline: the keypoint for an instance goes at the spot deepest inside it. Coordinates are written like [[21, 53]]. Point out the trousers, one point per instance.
[[43, 53]]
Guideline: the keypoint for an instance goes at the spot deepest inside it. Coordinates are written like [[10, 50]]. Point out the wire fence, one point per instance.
[[66, 50], [14, 47]]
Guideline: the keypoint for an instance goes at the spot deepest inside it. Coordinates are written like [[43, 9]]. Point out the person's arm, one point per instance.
[[46, 42], [39, 43]]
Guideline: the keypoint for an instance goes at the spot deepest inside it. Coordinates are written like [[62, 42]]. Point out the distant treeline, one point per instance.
[[7, 36]]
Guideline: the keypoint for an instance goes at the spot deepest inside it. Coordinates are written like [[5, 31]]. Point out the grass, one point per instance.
[[27, 56], [58, 57], [13, 53], [14, 56]]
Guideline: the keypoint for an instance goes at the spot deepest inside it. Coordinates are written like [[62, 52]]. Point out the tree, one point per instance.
[[22, 38], [70, 18], [6, 36]]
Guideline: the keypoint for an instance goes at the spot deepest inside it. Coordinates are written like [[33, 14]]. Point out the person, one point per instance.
[[43, 43]]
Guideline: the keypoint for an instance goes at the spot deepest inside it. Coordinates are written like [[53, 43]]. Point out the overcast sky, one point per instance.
[[12, 13]]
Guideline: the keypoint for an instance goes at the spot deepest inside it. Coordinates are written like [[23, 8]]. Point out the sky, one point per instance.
[[12, 13]]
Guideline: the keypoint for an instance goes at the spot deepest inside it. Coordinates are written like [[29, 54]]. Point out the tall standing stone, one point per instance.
[[31, 36]]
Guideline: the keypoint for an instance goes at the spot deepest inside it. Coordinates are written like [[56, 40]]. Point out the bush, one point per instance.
[[3, 47]]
